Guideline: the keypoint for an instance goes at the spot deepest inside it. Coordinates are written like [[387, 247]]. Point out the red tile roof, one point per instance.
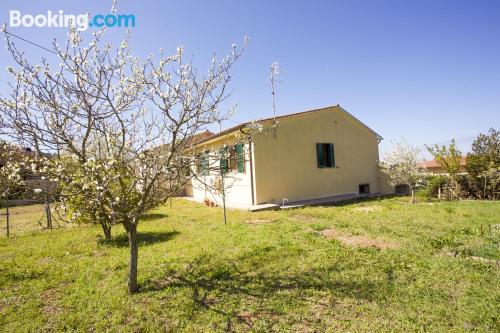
[[432, 164]]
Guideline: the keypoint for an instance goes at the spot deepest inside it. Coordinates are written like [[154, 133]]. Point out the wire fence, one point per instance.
[[21, 219]]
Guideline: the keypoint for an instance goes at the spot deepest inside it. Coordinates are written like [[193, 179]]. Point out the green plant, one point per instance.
[[435, 185], [483, 165], [449, 157]]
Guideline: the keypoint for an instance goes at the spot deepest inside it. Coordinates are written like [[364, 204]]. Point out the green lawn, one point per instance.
[[380, 265]]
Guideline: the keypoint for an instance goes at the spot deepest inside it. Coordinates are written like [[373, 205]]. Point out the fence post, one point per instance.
[[47, 213], [7, 215]]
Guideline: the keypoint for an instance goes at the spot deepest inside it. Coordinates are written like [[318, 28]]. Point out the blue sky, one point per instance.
[[428, 71]]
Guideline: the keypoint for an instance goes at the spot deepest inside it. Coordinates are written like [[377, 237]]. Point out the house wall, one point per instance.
[[286, 166], [238, 185], [438, 170], [384, 183]]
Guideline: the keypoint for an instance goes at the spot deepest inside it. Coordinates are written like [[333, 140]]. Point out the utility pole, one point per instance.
[[224, 198]]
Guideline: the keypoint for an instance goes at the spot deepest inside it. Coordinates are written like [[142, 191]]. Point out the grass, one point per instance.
[[264, 272]]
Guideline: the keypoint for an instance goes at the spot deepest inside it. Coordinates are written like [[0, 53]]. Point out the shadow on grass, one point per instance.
[[362, 199], [215, 286], [153, 216], [20, 276], [144, 237]]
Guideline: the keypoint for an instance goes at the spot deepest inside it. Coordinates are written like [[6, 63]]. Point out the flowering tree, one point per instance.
[[11, 181], [401, 165], [103, 113], [448, 157]]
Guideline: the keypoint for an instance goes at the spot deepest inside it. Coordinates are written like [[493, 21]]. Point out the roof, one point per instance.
[[190, 140], [433, 164], [242, 125], [198, 137]]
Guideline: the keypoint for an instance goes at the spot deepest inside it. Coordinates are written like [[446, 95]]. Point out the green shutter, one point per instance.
[[205, 163], [321, 158], [223, 160], [331, 151], [239, 156]]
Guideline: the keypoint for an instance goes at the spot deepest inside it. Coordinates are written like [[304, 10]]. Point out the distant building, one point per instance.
[[432, 167]]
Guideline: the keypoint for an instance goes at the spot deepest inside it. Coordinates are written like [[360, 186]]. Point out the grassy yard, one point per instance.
[[379, 265]]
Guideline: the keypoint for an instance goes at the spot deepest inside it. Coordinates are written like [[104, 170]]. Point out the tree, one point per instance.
[[11, 180], [483, 163], [448, 157], [103, 113], [401, 165]]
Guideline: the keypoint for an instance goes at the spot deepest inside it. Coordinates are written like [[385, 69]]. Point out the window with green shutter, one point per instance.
[[204, 165], [325, 154], [223, 163], [240, 156]]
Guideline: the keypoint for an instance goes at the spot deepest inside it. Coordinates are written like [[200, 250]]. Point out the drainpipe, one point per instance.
[[251, 169]]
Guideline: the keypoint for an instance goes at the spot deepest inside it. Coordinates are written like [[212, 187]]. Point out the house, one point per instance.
[[307, 155], [434, 168]]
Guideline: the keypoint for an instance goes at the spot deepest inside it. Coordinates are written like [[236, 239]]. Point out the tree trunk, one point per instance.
[[134, 251], [413, 200], [107, 231]]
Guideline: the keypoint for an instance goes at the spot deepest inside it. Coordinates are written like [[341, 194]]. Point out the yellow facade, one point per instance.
[[286, 166]]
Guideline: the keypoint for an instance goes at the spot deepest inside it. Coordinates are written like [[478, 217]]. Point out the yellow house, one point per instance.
[[314, 154]]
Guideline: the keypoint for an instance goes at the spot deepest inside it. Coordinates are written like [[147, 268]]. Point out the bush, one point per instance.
[[469, 187], [433, 185]]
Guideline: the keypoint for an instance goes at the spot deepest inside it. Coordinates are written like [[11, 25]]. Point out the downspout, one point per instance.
[[250, 152], [379, 139], [251, 168]]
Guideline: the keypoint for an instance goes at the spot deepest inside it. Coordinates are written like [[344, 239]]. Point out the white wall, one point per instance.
[[238, 185]]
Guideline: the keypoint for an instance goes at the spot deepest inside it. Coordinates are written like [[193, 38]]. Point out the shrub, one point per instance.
[[433, 185]]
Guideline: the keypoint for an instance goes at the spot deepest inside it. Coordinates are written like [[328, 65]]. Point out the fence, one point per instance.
[[17, 217]]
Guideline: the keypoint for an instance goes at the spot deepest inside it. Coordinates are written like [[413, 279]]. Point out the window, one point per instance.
[[240, 157], [364, 188], [326, 155], [202, 165], [224, 161], [234, 160]]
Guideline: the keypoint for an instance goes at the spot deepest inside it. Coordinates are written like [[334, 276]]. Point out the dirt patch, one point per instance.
[[99, 254], [45, 261], [246, 317], [367, 209], [357, 241], [49, 298], [259, 221], [304, 219]]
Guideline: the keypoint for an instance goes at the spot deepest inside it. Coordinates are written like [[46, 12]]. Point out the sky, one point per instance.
[[426, 71]]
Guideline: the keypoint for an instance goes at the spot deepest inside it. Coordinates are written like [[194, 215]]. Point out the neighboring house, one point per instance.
[[313, 154], [432, 167], [30, 181]]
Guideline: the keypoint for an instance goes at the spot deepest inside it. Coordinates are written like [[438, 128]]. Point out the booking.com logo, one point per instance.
[[61, 20]]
